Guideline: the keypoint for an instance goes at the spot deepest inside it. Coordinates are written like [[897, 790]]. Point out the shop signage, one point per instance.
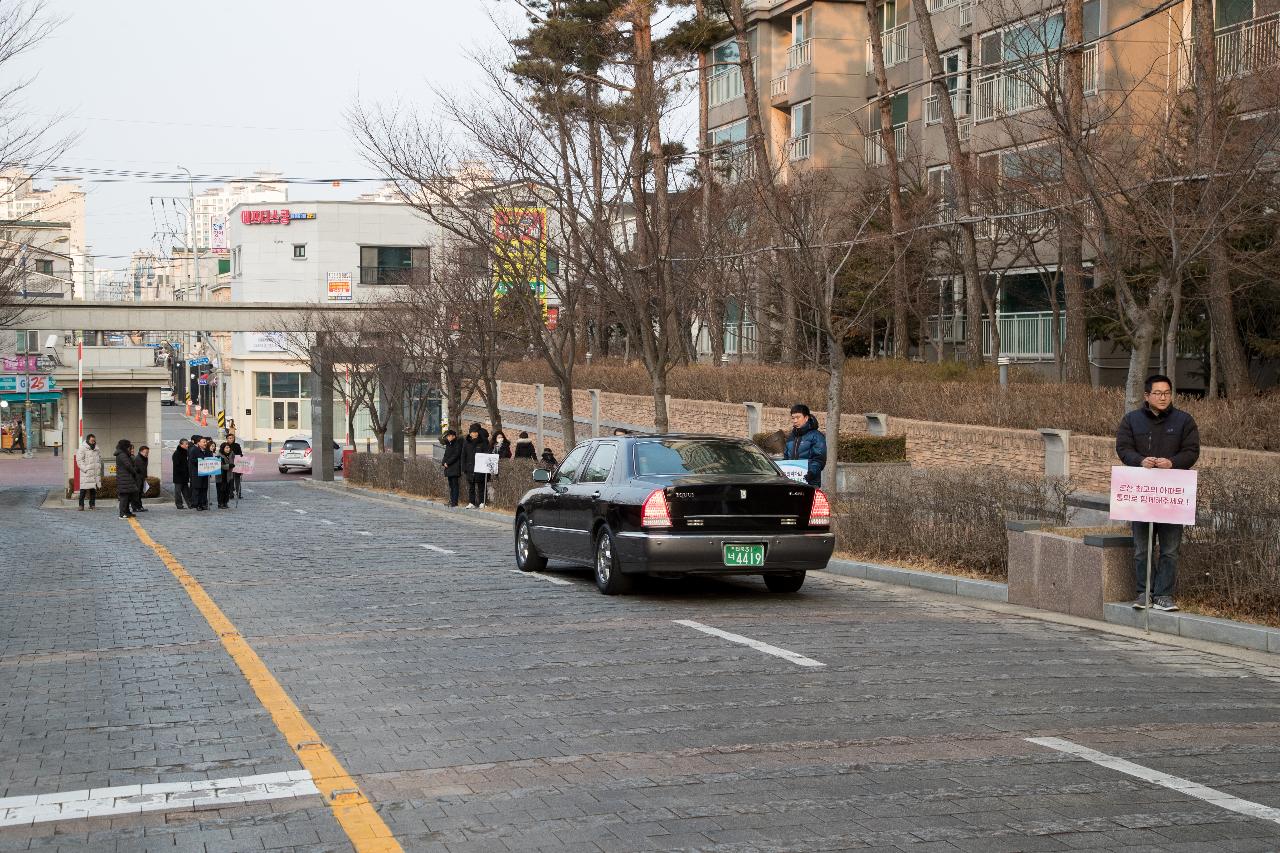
[[264, 341], [218, 241], [272, 217], [18, 384], [339, 287], [194, 362], [19, 363]]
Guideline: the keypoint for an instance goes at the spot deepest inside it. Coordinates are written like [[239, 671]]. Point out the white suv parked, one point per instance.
[[295, 455]]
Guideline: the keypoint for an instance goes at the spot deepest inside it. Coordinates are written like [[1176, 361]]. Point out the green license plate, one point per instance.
[[744, 555]]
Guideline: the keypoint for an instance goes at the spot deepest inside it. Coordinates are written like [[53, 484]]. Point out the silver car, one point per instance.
[[295, 455]]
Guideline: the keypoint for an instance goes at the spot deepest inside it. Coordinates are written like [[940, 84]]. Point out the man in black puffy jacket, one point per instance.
[[452, 464], [128, 479], [1157, 435]]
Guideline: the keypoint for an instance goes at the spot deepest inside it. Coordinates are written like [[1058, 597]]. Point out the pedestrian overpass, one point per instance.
[[208, 317]]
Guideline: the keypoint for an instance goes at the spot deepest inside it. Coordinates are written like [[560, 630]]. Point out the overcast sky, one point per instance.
[[235, 86]]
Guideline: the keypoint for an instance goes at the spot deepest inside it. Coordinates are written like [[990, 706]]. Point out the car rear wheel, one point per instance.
[[284, 470], [527, 557], [609, 577], [784, 583]]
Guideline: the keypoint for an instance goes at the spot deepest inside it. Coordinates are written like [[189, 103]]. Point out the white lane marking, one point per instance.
[[285, 503], [161, 796], [364, 533], [436, 548], [300, 511], [548, 578], [785, 654], [325, 521], [250, 491], [1186, 786]]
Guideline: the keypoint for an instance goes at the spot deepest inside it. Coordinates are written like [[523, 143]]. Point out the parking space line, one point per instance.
[[361, 822], [548, 578], [785, 654], [154, 797], [1176, 783], [436, 548]]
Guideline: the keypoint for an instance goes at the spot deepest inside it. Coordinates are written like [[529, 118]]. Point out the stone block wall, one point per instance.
[[929, 443]]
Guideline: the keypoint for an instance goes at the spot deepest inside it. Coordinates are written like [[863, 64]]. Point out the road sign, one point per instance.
[[18, 384], [196, 362], [204, 379]]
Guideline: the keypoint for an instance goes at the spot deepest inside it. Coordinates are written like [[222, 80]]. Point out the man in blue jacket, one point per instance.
[[1157, 435], [807, 442]]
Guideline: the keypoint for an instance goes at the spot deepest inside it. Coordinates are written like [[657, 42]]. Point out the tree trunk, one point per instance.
[[1231, 355], [961, 180], [568, 430], [835, 400], [411, 439], [661, 417], [1171, 334], [1070, 229], [1139, 362], [901, 337]]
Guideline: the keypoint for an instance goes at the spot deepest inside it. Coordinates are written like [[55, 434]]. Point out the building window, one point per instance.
[[44, 265], [282, 401], [730, 155], [299, 251], [391, 264]]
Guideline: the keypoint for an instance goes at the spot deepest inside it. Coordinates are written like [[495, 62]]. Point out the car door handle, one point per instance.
[[595, 495]]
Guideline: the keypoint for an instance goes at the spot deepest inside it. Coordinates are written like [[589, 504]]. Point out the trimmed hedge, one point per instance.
[[108, 488], [422, 476], [872, 448]]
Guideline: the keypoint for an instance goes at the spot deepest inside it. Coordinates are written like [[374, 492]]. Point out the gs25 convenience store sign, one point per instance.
[[18, 384]]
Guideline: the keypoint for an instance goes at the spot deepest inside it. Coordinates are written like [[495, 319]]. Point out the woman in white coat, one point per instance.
[[89, 462]]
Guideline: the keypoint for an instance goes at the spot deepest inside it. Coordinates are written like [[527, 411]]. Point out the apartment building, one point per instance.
[[814, 73]]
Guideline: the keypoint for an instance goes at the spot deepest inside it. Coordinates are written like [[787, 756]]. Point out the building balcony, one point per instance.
[[778, 87], [798, 147], [1241, 50], [1022, 86], [1024, 336], [874, 154], [725, 85], [385, 275], [895, 43], [800, 55], [933, 109]]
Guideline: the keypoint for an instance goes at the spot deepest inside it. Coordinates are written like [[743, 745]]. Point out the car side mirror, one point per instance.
[[541, 475]]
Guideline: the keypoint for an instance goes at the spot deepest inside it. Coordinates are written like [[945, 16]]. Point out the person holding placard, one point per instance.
[[477, 441], [1159, 436]]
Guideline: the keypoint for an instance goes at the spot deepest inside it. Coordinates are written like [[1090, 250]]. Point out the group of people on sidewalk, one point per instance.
[[131, 474], [191, 485], [459, 460]]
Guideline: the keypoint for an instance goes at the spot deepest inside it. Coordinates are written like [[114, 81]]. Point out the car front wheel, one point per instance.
[[527, 557], [784, 583], [609, 577]]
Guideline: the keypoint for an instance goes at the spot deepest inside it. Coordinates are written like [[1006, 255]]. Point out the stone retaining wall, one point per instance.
[[929, 443]]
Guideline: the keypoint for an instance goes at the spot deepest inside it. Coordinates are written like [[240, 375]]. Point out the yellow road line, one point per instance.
[[357, 816]]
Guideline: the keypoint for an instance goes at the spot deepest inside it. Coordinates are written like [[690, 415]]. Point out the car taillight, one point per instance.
[[820, 514], [655, 512], [307, 452]]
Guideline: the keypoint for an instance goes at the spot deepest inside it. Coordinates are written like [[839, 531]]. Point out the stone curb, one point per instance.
[[947, 584], [1196, 627]]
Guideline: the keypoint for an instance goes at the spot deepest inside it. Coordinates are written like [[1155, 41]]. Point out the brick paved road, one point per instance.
[[486, 710]]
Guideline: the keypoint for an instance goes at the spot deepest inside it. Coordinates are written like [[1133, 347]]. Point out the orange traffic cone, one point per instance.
[[188, 408]]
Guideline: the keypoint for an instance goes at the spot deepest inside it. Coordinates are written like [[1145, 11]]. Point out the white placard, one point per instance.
[[1159, 495], [486, 463], [795, 469], [208, 466], [243, 465]]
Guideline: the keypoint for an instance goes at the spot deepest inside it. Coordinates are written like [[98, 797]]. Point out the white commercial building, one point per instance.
[[333, 252], [214, 205]]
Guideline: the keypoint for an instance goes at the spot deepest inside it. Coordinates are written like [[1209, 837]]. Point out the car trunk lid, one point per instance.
[[734, 503]]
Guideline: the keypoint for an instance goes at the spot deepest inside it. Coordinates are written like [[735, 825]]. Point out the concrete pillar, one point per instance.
[[322, 415], [1057, 452], [877, 423], [594, 394], [539, 406], [755, 418]]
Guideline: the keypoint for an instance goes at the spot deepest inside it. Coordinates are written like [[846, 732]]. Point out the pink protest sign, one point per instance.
[[1165, 496]]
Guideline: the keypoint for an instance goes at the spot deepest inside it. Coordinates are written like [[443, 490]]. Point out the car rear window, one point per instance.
[[700, 456], [296, 444]]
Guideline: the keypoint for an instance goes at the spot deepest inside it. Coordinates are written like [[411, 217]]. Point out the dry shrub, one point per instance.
[[946, 392], [423, 476], [941, 516], [1232, 562]]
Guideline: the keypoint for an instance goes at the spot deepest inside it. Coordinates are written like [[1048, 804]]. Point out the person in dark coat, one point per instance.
[[477, 441], [501, 446], [236, 450], [549, 459], [806, 442], [525, 448], [181, 475], [1157, 435], [223, 480], [199, 485], [126, 477], [452, 464], [142, 460]]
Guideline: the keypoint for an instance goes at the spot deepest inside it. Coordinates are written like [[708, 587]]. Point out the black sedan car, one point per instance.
[[673, 505]]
